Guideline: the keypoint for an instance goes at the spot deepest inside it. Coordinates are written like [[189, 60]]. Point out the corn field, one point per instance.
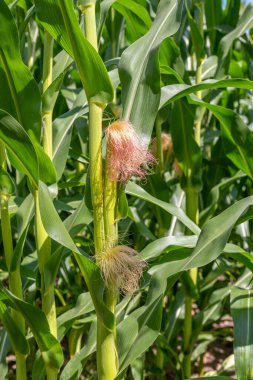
[[126, 195]]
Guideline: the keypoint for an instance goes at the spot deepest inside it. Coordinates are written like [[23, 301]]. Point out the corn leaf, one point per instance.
[[139, 69], [58, 232], [20, 146], [19, 93], [245, 23], [177, 91], [242, 313], [59, 18], [18, 340], [49, 346], [137, 191]]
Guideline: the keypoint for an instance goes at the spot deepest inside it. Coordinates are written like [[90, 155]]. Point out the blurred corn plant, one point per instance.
[[126, 169]]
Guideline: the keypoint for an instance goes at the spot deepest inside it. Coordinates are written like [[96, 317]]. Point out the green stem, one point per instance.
[[43, 244], [110, 198], [15, 282], [107, 352], [90, 22], [192, 211], [107, 364], [43, 240], [96, 179]]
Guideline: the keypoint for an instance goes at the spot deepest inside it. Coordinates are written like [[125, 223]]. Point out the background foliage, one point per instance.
[[174, 67]]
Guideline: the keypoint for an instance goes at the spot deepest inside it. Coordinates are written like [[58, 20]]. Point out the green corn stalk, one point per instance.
[[103, 208], [192, 210], [42, 240], [15, 282]]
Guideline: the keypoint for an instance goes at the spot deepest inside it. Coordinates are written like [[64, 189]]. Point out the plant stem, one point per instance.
[[192, 211], [43, 244], [110, 198], [96, 179], [44, 250], [106, 349], [43, 241], [90, 23], [15, 283]]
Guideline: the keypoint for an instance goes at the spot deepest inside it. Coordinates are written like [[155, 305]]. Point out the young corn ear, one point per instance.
[[121, 268], [127, 154]]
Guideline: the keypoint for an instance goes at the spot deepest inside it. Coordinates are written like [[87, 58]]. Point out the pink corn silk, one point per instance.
[[127, 154]]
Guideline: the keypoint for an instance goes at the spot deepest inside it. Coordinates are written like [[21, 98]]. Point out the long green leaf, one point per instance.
[[58, 232], [242, 313], [139, 192], [19, 93], [211, 243], [237, 137], [18, 340], [174, 92], [21, 97], [139, 69], [244, 24], [137, 18], [49, 346], [19, 145], [59, 18]]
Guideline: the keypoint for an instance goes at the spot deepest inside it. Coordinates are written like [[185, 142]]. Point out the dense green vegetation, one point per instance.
[[126, 168]]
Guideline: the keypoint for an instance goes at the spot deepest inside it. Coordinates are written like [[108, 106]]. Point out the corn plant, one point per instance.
[[126, 168]]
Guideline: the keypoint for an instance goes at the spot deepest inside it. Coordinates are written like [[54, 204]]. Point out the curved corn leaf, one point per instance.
[[244, 24], [18, 340], [104, 8], [49, 346], [59, 18], [19, 93], [211, 243], [139, 70], [139, 192], [237, 138], [51, 18], [20, 146], [177, 91], [57, 231]]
